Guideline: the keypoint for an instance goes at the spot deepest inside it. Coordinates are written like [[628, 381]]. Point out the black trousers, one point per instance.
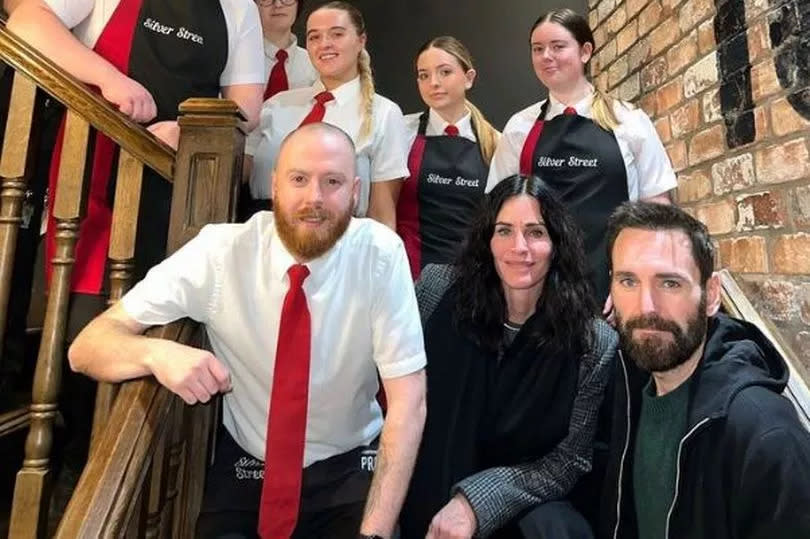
[[333, 494]]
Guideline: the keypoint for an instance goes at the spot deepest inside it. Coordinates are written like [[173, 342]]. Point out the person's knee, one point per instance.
[[555, 520]]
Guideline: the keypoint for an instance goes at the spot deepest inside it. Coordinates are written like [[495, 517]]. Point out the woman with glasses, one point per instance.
[[451, 146], [595, 152], [287, 66], [343, 96]]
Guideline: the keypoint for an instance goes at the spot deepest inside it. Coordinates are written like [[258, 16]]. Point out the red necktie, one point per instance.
[[451, 130], [570, 111], [287, 420], [318, 110], [278, 76]]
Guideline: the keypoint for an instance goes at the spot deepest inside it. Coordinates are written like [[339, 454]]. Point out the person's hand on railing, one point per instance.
[[168, 132], [129, 96], [193, 374]]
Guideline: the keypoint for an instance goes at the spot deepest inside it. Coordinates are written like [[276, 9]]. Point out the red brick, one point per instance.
[[638, 53], [706, 144], [663, 36], [617, 71], [801, 206], [615, 22], [677, 155], [649, 17], [763, 80], [634, 6], [630, 88], [694, 11], [669, 95], [654, 73], [600, 36], [712, 112], [683, 53], [759, 211], [744, 255], [762, 123], [706, 41], [685, 119], [627, 37], [717, 216], [669, 6], [783, 162], [693, 187], [759, 42], [647, 103], [604, 9], [802, 346], [733, 174], [701, 75], [790, 254], [607, 53], [804, 303], [785, 119], [775, 299], [662, 127], [593, 18]]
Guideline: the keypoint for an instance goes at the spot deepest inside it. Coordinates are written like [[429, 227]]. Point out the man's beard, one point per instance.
[[653, 353], [309, 244]]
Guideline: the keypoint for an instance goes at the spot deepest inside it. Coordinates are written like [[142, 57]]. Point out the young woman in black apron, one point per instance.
[[593, 151], [452, 144]]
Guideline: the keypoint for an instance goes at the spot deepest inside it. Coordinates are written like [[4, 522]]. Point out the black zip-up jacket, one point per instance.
[[744, 462]]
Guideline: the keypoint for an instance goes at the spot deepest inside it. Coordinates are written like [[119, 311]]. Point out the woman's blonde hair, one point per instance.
[[602, 106], [367, 89], [486, 134]]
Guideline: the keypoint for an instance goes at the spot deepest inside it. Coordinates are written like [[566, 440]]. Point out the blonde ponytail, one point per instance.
[[602, 110], [486, 134], [366, 93]]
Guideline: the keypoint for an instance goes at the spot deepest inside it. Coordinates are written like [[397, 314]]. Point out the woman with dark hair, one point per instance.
[[451, 144], [595, 152], [517, 366]]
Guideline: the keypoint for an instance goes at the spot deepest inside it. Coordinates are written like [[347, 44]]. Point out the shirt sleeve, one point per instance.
[[399, 347], [497, 495], [183, 285], [245, 63], [655, 174], [253, 140], [506, 159], [389, 160], [71, 12]]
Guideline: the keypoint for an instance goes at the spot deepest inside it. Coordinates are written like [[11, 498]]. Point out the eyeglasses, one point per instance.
[[268, 3]]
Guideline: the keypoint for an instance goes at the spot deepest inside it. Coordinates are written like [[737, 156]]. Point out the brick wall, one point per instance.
[[727, 84]]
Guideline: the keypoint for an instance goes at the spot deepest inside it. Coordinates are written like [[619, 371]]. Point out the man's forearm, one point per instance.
[[396, 456]]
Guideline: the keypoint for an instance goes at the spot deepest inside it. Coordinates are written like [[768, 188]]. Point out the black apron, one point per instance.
[[583, 165], [438, 200]]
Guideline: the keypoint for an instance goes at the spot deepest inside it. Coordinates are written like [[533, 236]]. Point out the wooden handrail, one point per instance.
[[739, 306], [76, 96]]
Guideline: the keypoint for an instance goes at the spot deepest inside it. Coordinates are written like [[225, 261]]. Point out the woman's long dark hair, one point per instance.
[[566, 306]]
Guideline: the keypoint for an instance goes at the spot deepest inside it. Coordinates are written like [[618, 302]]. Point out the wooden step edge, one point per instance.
[[14, 420]]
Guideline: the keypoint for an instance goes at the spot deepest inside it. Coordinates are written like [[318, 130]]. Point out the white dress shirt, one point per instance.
[[88, 18], [299, 69], [381, 156], [233, 278], [435, 126], [649, 172]]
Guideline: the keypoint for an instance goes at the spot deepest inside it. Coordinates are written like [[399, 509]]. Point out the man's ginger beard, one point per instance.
[[309, 244]]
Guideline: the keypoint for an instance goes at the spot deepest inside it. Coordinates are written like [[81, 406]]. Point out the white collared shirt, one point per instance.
[[381, 156], [649, 171], [88, 18], [233, 278], [436, 124], [299, 69]]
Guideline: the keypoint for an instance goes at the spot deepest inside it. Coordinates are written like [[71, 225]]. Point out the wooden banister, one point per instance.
[[93, 108]]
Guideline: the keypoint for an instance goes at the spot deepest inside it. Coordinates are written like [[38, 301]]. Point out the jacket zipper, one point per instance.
[[678, 471], [624, 451]]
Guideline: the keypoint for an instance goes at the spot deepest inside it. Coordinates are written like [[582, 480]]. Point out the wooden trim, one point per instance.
[[14, 420], [739, 306], [76, 96]]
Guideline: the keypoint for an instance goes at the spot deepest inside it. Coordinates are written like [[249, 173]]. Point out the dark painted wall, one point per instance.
[[495, 31]]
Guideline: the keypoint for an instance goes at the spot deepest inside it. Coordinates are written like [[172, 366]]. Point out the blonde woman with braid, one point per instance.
[[343, 96], [595, 152], [451, 147]]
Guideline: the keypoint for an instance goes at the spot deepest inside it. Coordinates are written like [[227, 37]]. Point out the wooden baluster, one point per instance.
[[31, 495], [122, 256], [155, 522], [14, 171], [208, 167], [177, 456]]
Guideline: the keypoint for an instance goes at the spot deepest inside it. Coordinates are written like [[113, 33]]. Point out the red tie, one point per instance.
[[570, 111], [287, 420], [278, 76], [318, 110], [451, 130]]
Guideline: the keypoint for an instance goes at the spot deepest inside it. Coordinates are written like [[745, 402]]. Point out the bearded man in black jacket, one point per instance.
[[703, 445]]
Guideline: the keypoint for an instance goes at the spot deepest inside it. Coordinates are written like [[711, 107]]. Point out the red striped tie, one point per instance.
[[319, 109], [278, 76], [287, 420]]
